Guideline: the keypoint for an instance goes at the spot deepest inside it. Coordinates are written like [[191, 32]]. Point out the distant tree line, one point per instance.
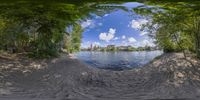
[[121, 48]]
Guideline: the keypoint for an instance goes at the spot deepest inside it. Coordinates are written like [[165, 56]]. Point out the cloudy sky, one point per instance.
[[118, 28]]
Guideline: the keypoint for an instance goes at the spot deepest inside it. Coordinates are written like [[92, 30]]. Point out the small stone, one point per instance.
[[181, 81], [4, 91], [10, 65], [26, 71], [15, 69], [84, 73], [178, 64], [180, 75], [37, 66], [57, 76], [8, 83], [164, 69]]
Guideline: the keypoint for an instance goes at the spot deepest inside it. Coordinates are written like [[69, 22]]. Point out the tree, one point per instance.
[[73, 40], [177, 25], [38, 27]]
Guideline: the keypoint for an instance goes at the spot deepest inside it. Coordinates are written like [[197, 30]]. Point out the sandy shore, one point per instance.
[[63, 78]]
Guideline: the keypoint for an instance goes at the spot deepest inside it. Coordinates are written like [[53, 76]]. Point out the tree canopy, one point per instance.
[[175, 25], [39, 27]]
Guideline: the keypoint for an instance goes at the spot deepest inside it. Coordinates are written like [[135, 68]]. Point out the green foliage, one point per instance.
[[38, 27], [132, 49], [73, 41], [111, 49], [178, 24]]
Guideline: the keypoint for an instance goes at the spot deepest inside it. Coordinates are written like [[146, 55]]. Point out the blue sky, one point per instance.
[[118, 27]]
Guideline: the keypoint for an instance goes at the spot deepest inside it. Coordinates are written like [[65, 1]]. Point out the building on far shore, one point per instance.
[[92, 47], [124, 48], [119, 48], [110, 46]]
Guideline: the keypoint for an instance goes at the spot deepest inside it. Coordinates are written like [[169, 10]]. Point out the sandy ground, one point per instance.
[[65, 78]]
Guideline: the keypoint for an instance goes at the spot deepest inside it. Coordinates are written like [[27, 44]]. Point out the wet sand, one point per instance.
[[65, 78]]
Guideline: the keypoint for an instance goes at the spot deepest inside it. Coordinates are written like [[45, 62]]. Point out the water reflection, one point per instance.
[[117, 60]]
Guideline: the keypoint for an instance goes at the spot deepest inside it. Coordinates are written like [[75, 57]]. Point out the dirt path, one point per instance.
[[169, 77]]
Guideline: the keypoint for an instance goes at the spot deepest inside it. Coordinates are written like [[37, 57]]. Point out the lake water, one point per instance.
[[117, 60]]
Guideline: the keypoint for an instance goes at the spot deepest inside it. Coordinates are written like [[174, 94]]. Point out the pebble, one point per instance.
[[4, 91], [84, 73], [180, 75], [164, 69], [26, 71], [178, 64], [10, 65], [57, 76], [8, 83]]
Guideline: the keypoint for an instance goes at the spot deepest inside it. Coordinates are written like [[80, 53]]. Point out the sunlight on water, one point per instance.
[[117, 60]]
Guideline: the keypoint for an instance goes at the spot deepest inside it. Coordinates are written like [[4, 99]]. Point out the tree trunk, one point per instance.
[[197, 35], [197, 38], [197, 44]]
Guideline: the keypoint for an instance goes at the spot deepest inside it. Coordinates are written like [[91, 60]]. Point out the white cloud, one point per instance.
[[125, 43], [85, 44], [123, 37], [143, 33], [143, 43], [87, 23], [105, 15], [96, 43], [112, 31], [116, 38], [137, 24], [100, 24], [148, 43], [97, 17], [107, 36], [132, 40]]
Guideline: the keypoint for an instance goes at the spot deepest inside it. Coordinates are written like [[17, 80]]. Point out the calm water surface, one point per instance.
[[117, 60]]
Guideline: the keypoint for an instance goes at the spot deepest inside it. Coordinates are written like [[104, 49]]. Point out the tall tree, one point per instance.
[[177, 24]]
